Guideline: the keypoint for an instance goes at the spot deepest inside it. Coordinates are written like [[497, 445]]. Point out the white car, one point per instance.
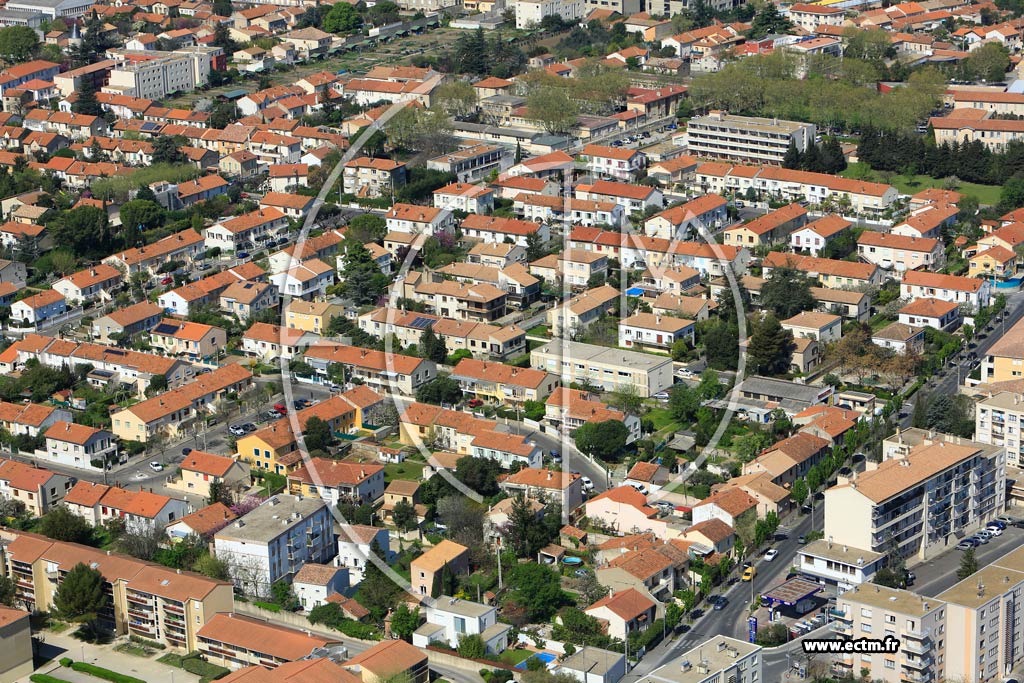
[[156, 467], [770, 554], [639, 487], [587, 484], [994, 530]]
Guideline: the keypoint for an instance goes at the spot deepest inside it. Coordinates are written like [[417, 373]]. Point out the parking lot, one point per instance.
[[938, 574]]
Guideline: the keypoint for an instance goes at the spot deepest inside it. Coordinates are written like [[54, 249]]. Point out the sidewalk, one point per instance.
[[53, 646]]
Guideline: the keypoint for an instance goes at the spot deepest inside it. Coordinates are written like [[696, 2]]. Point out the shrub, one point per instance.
[[66, 661], [148, 643], [207, 671], [43, 678], [269, 606], [105, 674]]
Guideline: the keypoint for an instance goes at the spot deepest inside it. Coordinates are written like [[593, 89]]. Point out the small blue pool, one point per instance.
[[1012, 283], [635, 291], [572, 560], [545, 657]]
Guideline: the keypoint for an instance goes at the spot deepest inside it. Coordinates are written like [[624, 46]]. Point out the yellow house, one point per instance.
[[311, 316], [200, 470], [996, 261], [275, 448]]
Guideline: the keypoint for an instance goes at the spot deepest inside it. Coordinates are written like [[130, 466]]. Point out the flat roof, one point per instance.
[[578, 351], [984, 585], [698, 664], [893, 599], [792, 591], [720, 120], [1007, 400], [592, 660], [466, 608], [836, 552], [270, 519]]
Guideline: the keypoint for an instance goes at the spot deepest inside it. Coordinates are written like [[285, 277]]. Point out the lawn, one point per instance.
[[412, 471], [985, 194], [513, 657], [539, 331]]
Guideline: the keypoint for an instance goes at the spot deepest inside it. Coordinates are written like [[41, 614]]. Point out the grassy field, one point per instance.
[[985, 194], [411, 471], [513, 657]]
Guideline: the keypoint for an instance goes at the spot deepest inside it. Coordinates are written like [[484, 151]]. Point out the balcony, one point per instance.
[[917, 663], [842, 628], [174, 609], [140, 599]]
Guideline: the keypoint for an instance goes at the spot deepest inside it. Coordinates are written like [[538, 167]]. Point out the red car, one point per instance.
[[167, 280], [474, 403], [281, 408]]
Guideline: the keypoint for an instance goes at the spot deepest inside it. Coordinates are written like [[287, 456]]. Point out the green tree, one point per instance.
[[222, 8], [786, 292], [18, 43], [683, 403], [167, 150], [1012, 194], [142, 214], [81, 596], [721, 344], [61, 524], [377, 592], [767, 21], [7, 591], [551, 107], [440, 390], [471, 646], [366, 227], [522, 524], [282, 594], [213, 567], [771, 347], [364, 282], [86, 103], [342, 18], [534, 246], [537, 589], [404, 515], [456, 98], [799, 491], [432, 346], [968, 564], [990, 62], [85, 230], [318, 435], [405, 621], [604, 440]]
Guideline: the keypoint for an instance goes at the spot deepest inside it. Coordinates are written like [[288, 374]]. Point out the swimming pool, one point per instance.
[[545, 657], [635, 291], [1012, 283]]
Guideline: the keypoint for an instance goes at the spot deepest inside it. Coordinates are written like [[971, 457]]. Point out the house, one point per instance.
[[624, 612], [624, 510], [822, 327], [30, 419], [508, 449], [582, 310], [448, 619], [620, 163], [935, 313], [241, 232], [194, 341], [38, 489], [426, 569], [272, 342], [92, 284], [576, 267], [139, 511], [901, 338], [464, 197], [731, 506], [75, 445], [830, 273], [818, 234], [711, 533], [355, 543], [39, 309], [233, 640], [771, 228], [926, 222], [315, 582], [571, 408], [126, 322], [496, 230], [650, 475], [789, 459], [200, 471], [366, 177], [997, 262], [898, 252], [338, 482], [305, 280], [311, 316], [254, 545], [632, 198], [594, 665], [694, 219], [654, 332], [503, 384], [546, 486], [381, 371], [419, 220], [973, 293], [401, 491], [389, 659], [246, 299], [204, 522]]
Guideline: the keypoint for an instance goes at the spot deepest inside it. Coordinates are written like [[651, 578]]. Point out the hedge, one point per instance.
[[207, 671], [43, 678], [148, 643], [105, 674], [66, 661]]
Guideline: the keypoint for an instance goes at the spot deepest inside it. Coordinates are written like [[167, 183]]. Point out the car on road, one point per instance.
[[770, 554], [719, 602], [801, 540], [686, 373], [588, 485], [749, 573], [281, 408], [167, 280], [661, 396], [186, 450], [237, 430], [242, 255], [156, 467], [249, 427], [966, 544]]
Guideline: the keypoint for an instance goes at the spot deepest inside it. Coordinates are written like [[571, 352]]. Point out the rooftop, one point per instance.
[[271, 519]]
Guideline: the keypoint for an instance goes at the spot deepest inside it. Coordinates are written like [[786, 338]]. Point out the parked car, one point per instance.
[[474, 403], [281, 408], [249, 427], [966, 544], [237, 430], [156, 467], [167, 280], [186, 450], [661, 396], [997, 524], [994, 530], [770, 554], [272, 415], [1006, 520], [980, 539], [639, 487], [719, 602]]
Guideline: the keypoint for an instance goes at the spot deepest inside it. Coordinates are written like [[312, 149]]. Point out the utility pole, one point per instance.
[[497, 551]]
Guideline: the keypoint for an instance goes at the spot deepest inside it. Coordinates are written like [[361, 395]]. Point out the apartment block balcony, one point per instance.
[[842, 627], [917, 663]]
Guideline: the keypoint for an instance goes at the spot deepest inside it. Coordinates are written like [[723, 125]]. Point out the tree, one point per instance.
[[342, 18], [522, 525], [142, 214], [990, 62], [456, 98], [318, 435], [432, 346], [786, 292], [1012, 194], [464, 519], [86, 103], [604, 440], [366, 227], [590, 589], [721, 344], [364, 283], [799, 491], [442, 390], [404, 515], [405, 621], [968, 564], [61, 524], [552, 108], [627, 399], [771, 347], [222, 8], [141, 542], [7, 591], [768, 20], [534, 246], [167, 150], [18, 43], [537, 589], [377, 592], [471, 646], [792, 159], [683, 403], [81, 596], [213, 567], [282, 594], [85, 230]]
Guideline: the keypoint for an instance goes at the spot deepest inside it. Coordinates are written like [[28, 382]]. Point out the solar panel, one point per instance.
[[166, 328], [421, 323], [150, 125]]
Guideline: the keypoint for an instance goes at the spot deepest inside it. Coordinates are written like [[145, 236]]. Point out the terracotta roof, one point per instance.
[[885, 239], [733, 502], [9, 615], [318, 670], [24, 477], [208, 520], [542, 478], [714, 529], [929, 308], [389, 658], [643, 471], [433, 559], [920, 278], [625, 495], [207, 463], [316, 574], [627, 604], [643, 564], [71, 432], [332, 473], [500, 373], [260, 637]]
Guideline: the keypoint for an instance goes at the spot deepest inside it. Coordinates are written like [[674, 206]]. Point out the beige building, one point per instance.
[[16, 635], [1005, 359], [721, 135], [998, 420], [607, 368], [928, 491], [200, 470], [424, 568], [719, 659], [311, 316], [916, 623]]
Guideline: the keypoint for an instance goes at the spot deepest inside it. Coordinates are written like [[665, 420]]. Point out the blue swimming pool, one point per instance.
[[545, 657], [1012, 283], [635, 291]]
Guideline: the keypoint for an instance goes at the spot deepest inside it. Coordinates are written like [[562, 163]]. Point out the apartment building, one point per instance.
[[181, 246], [273, 541], [500, 383], [719, 658], [973, 293], [721, 135], [610, 369], [918, 623], [618, 163], [831, 273], [474, 163], [148, 601], [234, 641], [381, 371], [900, 253], [160, 74], [530, 14], [998, 420], [366, 177], [995, 134], [928, 490], [1005, 359]]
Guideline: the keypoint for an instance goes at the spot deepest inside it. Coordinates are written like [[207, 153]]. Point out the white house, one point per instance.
[[418, 220], [38, 308], [75, 445], [306, 280], [654, 332], [244, 231], [970, 291], [315, 582], [449, 619], [507, 449], [89, 284], [354, 543]]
